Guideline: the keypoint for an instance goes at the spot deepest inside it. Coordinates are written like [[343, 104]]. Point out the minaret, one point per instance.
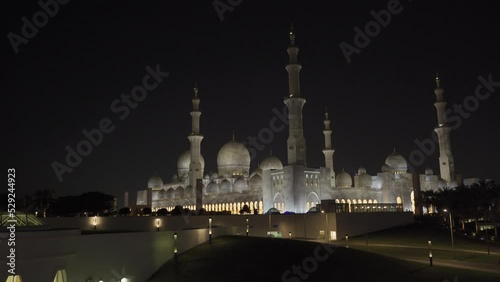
[[195, 170], [328, 151], [446, 164], [296, 141]]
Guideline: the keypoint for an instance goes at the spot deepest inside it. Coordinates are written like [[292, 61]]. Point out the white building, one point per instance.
[[294, 187]]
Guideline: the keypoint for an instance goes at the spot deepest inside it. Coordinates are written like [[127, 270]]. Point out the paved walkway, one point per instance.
[[439, 262]]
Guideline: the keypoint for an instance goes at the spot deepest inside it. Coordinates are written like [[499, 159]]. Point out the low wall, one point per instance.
[[134, 255], [355, 224], [301, 225]]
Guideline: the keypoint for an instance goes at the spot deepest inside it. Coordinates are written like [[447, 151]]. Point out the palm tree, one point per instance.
[[427, 199], [43, 199]]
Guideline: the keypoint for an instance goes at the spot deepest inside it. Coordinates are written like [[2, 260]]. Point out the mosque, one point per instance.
[[294, 187]]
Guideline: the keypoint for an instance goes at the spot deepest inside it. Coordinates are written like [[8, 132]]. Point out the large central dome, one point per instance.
[[233, 159]]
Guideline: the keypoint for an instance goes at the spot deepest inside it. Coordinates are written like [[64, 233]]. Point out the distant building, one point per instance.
[[294, 187]]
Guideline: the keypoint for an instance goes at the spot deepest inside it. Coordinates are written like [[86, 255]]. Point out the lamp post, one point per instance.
[[247, 225], [487, 234], [210, 230], [175, 247], [95, 222], [430, 252], [451, 232], [346, 241], [326, 233], [290, 234], [157, 224]]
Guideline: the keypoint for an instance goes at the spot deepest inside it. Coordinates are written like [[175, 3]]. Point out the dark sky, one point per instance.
[[64, 79]]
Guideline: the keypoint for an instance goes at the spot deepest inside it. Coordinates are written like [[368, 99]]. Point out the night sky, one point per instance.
[[65, 78]]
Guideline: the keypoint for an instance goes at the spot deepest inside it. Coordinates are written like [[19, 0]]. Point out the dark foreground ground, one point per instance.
[[237, 258]]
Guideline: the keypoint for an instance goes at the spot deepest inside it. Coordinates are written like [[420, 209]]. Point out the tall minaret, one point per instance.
[[328, 150], [446, 164], [296, 141], [195, 170]]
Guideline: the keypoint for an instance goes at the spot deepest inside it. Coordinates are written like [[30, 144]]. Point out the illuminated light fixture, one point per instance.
[[175, 243], [175, 247], [95, 222], [430, 252], [157, 224], [210, 230], [290, 235], [247, 226]]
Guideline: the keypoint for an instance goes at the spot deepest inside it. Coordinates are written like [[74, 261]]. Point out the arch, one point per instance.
[[343, 201], [278, 198], [337, 201], [365, 201], [312, 197], [261, 205], [370, 201], [375, 201], [354, 202], [398, 200]]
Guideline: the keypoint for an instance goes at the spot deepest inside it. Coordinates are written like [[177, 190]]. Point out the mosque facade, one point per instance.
[[294, 187]]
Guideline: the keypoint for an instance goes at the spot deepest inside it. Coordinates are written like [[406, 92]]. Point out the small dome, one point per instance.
[[256, 181], [397, 163], [385, 168], [225, 186], [240, 184], [175, 178], [184, 161], [233, 159], [365, 180], [429, 171], [271, 162], [155, 181], [361, 170], [212, 188], [207, 176], [214, 176], [344, 180]]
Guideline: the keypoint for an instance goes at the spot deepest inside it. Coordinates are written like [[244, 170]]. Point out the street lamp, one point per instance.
[[430, 252], [210, 230], [451, 232], [175, 247], [247, 226], [95, 222], [157, 224]]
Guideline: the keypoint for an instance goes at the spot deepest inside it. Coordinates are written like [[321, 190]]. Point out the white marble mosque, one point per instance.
[[293, 187]]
